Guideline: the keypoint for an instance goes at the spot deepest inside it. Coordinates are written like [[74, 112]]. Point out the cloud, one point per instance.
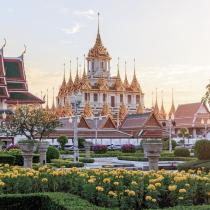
[[90, 13], [72, 30]]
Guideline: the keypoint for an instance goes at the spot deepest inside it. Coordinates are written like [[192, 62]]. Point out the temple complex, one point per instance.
[[102, 93], [13, 83]]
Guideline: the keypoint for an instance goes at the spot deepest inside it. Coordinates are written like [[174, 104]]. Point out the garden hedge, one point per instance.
[[6, 158], [131, 158], [65, 163], [52, 153], [197, 164], [182, 152], [45, 201], [202, 148]]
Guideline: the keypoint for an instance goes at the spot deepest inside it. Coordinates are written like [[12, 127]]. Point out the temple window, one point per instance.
[[121, 98], [104, 97], [137, 99], [95, 97], [87, 96], [112, 101], [129, 99]]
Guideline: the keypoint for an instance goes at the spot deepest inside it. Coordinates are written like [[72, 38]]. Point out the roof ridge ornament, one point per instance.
[[5, 42], [24, 52]]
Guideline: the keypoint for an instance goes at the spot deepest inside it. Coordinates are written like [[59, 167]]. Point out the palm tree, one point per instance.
[[184, 133]]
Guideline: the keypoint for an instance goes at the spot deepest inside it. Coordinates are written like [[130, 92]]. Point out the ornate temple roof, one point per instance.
[[98, 50], [140, 109], [173, 109], [102, 83], [105, 109], [70, 83], [156, 108], [118, 82], [162, 113], [87, 112], [77, 82], [122, 111], [126, 83], [135, 86], [85, 83], [13, 84]]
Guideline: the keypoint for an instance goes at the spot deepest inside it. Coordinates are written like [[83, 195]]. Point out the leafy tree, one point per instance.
[[62, 140], [206, 97], [30, 121], [184, 133]]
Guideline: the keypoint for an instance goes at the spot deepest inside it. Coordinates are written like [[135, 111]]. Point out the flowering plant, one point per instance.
[[128, 148], [100, 148]]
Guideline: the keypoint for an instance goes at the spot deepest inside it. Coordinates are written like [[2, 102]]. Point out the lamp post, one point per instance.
[[76, 99], [205, 124], [171, 124], [96, 118]]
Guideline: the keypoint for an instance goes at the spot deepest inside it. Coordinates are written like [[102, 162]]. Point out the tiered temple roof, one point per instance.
[[13, 84]]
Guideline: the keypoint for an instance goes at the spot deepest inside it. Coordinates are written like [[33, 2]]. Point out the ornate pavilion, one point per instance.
[[102, 94]]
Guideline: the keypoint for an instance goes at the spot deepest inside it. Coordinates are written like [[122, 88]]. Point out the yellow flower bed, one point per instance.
[[121, 188]]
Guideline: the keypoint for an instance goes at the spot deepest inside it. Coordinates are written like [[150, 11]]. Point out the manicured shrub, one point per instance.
[[62, 140], [202, 149], [100, 148], [59, 163], [166, 144], [128, 148], [7, 159], [86, 160], [52, 153], [182, 152], [81, 142]]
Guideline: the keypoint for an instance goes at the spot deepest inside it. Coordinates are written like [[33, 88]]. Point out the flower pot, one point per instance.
[[43, 146], [27, 149], [153, 151]]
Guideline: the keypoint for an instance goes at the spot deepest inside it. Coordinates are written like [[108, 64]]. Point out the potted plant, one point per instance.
[[28, 147], [153, 148]]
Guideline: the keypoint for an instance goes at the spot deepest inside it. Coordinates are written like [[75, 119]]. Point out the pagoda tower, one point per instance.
[[173, 109]]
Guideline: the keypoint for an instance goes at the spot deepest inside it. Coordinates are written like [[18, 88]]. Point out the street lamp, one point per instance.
[[76, 99], [206, 124], [96, 118], [171, 124]]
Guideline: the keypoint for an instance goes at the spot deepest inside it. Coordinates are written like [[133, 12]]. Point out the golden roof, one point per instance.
[[126, 83], [173, 109], [140, 109], [70, 83], [102, 83], [98, 51], [67, 110], [53, 103], [118, 82], [105, 109], [77, 82], [156, 108], [135, 86], [62, 90], [162, 113], [85, 83], [87, 112], [122, 111]]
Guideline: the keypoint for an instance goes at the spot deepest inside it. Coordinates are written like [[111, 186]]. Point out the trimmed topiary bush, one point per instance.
[[52, 153], [100, 148], [182, 152], [202, 148], [62, 140], [166, 144], [128, 148]]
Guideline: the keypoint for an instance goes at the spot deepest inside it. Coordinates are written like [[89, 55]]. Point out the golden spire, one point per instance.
[[122, 111], [67, 110], [135, 86], [77, 79], [87, 112], [173, 109], [126, 83], [85, 83], [140, 109], [53, 102], [47, 105], [152, 100], [105, 109], [118, 83], [62, 89], [70, 81], [162, 112], [98, 51], [156, 108]]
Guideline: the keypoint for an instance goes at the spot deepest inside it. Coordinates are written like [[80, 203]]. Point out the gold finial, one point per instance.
[[173, 109], [77, 63], [47, 105], [53, 103], [64, 71], [134, 62], [152, 100], [98, 21], [70, 68]]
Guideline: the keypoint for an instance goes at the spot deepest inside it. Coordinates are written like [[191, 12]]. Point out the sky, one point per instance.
[[169, 39]]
